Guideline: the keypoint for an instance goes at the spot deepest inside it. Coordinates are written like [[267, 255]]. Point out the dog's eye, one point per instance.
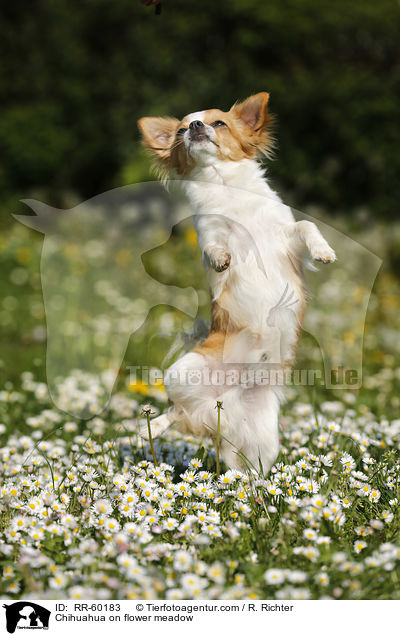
[[218, 123], [181, 131]]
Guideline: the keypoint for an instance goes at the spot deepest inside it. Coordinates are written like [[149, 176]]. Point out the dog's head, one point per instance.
[[206, 137]]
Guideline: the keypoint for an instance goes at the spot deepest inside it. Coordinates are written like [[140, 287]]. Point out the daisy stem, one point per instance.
[[219, 407], [151, 439]]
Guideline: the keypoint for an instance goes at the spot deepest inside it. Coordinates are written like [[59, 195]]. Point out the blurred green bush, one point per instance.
[[75, 77]]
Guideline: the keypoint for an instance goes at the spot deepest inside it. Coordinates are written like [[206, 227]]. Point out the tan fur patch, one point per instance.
[[220, 319], [213, 345]]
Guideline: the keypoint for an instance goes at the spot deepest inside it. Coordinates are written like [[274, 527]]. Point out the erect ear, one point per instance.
[[158, 133], [253, 111]]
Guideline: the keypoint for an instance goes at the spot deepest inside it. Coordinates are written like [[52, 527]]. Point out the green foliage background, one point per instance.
[[75, 77]]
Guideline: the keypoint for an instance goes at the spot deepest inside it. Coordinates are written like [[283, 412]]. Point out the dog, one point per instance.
[[251, 247]]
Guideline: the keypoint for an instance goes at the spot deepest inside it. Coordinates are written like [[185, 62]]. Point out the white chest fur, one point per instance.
[[236, 211]]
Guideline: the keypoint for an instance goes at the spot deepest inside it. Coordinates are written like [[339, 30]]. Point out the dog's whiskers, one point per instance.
[[176, 143]]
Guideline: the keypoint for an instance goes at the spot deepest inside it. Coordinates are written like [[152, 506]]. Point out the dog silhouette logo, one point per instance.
[[92, 273], [26, 615]]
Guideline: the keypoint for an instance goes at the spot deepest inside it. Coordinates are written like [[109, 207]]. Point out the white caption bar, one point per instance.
[[192, 617]]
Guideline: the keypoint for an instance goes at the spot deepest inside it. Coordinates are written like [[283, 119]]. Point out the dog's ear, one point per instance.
[[158, 134], [253, 112]]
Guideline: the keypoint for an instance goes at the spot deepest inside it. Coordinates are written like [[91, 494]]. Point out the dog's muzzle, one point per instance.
[[197, 131]]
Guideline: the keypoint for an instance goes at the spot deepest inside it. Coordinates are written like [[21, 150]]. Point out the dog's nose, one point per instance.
[[196, 125]]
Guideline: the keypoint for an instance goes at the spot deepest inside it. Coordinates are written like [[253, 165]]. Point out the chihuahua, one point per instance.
[[251, 247]]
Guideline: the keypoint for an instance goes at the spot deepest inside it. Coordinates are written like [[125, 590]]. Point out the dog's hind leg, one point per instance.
[[186, 390]]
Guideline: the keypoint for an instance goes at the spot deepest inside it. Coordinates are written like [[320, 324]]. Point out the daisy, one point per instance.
[[77, 592], [175, 594], [19, 522], [274, 576], [348, 462], [182, 560], [13, 588], [216, 573], [273, 489], [387, 516], [211, 530], [102, 507], [193, 584], [317, 501], [195, 463], [322, 579], [58, 581], [310, 534], [376, 524], [112, 525], [359, 545], [364, 491], [296, 576], [227, 478], [372, 562], [311, 553], [374, 495], [324, 541], [170, 524]]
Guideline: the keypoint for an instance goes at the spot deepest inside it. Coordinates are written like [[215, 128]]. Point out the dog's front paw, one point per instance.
[[323, 253], [220, 261]]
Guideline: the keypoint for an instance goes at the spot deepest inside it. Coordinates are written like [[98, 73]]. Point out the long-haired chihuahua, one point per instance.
[[251, 247]]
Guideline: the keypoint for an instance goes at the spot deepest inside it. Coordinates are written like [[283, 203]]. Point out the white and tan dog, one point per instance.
[[251, 248]]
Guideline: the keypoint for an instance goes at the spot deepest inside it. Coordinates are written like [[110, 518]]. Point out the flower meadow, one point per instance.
[[86, 513]]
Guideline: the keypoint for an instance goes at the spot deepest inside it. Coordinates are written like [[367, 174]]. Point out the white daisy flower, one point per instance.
[[274, 576]]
